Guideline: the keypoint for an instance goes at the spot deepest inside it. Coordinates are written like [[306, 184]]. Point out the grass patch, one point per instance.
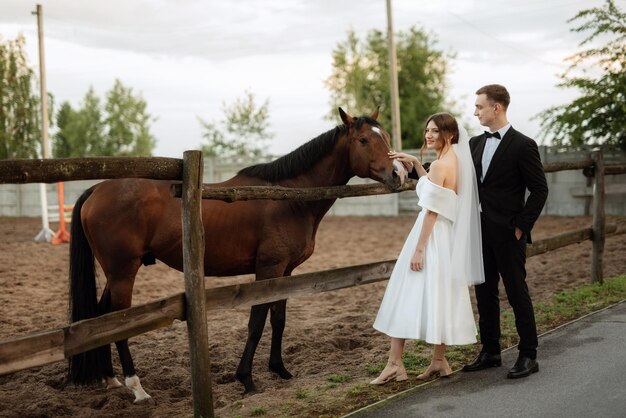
[[338, 378], [574, 303], [351, 395], [414, 362], [259, 411]]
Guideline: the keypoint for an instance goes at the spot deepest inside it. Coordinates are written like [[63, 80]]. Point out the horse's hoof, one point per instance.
[[248, 384], [281, 371], [134, 385], [148, 400], [250, 392], [112, 383]]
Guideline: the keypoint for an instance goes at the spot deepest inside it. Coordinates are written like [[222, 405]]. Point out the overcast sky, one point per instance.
[[189, 57]]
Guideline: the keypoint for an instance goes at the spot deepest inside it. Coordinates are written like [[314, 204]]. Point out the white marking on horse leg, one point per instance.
[[133, 384], [112, 383]]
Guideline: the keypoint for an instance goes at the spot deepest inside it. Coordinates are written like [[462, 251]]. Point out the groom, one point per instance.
[[507, 164]]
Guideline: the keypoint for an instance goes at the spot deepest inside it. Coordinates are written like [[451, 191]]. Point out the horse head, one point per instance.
[[369, 147]]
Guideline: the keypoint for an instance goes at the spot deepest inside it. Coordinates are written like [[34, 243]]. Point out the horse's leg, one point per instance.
[[256, 323], [104, 307], [121, 298], [277, 319]]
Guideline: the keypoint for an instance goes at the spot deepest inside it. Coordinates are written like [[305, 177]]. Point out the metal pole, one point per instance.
[[393, 77], [46, 234]]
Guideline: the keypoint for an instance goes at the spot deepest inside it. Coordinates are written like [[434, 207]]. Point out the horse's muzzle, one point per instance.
[[398, 175]]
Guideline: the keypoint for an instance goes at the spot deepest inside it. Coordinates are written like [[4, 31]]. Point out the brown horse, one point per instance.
[[129, 222]]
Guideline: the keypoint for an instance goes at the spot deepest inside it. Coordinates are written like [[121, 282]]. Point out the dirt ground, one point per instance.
[[325, 334]]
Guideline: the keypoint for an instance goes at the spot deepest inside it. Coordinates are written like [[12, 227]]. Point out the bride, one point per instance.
[[427, 297]]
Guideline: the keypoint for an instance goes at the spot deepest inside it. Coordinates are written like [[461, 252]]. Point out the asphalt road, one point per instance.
[[582, 373]]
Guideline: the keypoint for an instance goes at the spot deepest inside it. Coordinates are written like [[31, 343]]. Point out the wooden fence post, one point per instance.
[[599, 219], [193, 266]]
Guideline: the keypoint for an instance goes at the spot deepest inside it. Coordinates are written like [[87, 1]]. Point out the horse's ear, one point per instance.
[[375, 113], [347, 119]]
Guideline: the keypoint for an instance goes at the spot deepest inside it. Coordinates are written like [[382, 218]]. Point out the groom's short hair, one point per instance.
[[496, 93]]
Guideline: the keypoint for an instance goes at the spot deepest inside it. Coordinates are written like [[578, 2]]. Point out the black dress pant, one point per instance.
[[506, 259]]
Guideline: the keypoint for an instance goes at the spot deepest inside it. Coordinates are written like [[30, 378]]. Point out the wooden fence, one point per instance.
[[55, 345]]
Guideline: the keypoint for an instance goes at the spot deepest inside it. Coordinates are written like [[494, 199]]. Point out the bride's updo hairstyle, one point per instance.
[[447, 126]]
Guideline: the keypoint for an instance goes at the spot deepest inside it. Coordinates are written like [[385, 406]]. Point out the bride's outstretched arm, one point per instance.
[[409, 161]]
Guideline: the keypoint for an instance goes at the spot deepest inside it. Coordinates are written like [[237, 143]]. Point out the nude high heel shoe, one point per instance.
[[392, 370], [440, 366]]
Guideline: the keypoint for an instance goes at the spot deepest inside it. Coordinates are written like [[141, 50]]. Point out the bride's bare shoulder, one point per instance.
[[447, 162]]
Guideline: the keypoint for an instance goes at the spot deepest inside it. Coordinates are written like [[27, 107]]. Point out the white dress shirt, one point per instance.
[[491, 145]]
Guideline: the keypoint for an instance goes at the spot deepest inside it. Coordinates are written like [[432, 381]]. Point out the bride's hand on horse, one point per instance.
[[407, 160], [417, 261]]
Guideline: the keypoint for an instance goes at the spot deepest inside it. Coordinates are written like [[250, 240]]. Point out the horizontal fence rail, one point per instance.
[[239, 193], [242, 193], [615, 169], [54, 170], [567, 165], [52, 346]]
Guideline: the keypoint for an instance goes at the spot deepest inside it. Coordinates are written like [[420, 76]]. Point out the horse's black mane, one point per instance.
[[304, 157]]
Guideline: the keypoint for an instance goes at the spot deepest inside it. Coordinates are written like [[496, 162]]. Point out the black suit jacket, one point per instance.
[[515, 167]]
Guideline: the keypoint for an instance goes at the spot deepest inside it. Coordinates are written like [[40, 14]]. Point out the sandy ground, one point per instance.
[[326, 333]]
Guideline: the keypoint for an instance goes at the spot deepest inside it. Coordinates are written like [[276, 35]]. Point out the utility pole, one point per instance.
[[46, 234], [393, 76]]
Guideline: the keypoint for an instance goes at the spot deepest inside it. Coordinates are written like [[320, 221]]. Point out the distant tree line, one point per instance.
[[118, 127]]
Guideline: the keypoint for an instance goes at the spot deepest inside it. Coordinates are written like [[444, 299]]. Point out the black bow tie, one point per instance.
[[489, 134]]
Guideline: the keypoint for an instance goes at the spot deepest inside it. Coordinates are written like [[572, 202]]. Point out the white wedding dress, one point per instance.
[[428, 304]]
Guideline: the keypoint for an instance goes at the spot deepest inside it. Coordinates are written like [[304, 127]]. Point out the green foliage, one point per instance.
[[360, 79], [20, 130], [244, 130], [301, 394], [598, 116], [120, 128], [80, 132]]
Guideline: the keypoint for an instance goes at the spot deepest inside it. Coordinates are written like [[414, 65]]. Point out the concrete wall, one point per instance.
[[569, 190]]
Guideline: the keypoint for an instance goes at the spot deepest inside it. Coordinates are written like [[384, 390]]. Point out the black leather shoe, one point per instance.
[[523, 367], [483, 361]]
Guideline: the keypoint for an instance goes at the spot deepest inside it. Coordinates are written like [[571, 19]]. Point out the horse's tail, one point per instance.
[[93, 365]]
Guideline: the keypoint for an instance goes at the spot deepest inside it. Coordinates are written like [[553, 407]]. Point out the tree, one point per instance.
[[598, 116], [121, 128], [80, 132], [128, 131], [360, 79], [244, 130], [20, 131]]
